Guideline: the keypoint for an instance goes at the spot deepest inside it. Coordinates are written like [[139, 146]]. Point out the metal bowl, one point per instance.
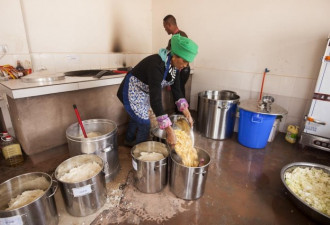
[[310, 211], [158, 135], [180, 122]]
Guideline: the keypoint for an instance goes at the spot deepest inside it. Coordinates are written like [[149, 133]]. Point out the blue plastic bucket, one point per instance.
[[254, 128]]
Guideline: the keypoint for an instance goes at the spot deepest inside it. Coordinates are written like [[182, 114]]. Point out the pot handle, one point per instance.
[[203, 173], [223, 105], [54, 188], [256, 119], [107, 149], [164, 164]]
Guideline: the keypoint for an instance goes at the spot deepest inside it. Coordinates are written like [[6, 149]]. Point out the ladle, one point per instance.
[[79, 120], [180, 122]]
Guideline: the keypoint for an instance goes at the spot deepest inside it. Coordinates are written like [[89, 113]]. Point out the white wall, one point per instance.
[[67, 35], [239, 39], [12, 33]]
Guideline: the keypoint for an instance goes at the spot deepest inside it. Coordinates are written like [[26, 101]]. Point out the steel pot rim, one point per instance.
[[86, 140], [91, 121], [190, 167], [72, 158], [151, 162], [204, 96], [216, 101], [157, 143]]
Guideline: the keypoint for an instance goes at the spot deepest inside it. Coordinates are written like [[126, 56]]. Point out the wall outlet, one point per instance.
[[4, 48], [41, 68], [72, 58]]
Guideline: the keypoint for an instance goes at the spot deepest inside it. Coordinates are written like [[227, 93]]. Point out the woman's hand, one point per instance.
[[170, 136], [187, 114]]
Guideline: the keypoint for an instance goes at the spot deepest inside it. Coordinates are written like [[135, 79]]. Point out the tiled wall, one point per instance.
[[292, 93]]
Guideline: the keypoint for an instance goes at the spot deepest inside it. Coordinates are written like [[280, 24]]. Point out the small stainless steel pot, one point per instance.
[[150, 176], [85, 197], [41, 211], [188, 182]]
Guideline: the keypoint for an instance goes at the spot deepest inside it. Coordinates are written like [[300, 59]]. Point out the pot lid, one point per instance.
[[42, 77], [253, 105]]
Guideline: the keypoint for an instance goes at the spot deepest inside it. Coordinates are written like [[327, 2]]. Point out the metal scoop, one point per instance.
[[180, 122]]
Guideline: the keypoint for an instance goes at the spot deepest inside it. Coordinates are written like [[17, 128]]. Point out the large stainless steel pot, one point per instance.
[[41, 211], [105, 146], [217, 113], [150, 176], [188, 182], [84, 197]]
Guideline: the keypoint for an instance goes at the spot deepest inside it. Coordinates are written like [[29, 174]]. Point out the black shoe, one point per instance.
[[129, 143]]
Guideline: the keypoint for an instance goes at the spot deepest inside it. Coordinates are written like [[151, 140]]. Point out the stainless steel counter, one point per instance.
[[17, 89], [38, 110]]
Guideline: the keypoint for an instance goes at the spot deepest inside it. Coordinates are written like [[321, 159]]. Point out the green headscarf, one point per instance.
[[184, 47]]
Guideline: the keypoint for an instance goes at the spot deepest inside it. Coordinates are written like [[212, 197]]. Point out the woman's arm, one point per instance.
[[187, 114], [170, 136]]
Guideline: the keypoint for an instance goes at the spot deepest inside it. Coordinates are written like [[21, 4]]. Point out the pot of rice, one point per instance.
[[82, 182], [150, 166], [101, 140], [28, 199]]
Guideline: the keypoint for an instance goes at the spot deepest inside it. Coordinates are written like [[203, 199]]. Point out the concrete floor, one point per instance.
[[243, 186]]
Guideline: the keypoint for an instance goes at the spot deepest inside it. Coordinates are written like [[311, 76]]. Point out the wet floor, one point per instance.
[[243, 186]]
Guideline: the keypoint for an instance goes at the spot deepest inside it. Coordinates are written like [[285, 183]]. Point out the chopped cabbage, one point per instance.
[[185, 149], [24, 199], [151, 156], [312, 186]]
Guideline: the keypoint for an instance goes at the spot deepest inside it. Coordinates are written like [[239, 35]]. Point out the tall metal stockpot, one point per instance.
[[41, 211], [105, 145], [83, 197], [150, 176], [217, 113]]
